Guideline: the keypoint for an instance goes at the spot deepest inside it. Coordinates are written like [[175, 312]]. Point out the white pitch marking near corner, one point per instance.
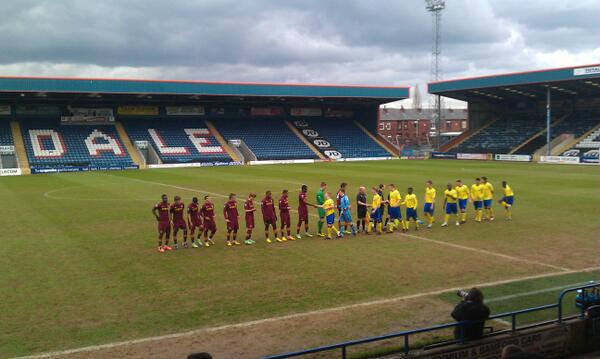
[[300, 315], [533, 292], [483, 251]]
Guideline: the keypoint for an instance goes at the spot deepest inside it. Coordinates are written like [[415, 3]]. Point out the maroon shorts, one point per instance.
[[233, 225], [195, 223], [285, 219], [250, 222], [164, 227], [270, 220], [179, 225], [210, 225], [302, 215]]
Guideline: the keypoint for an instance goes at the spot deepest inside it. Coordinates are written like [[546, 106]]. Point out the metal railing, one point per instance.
[[408, 333]]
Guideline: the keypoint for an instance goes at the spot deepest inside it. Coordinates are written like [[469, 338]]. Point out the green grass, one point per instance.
[[79, 264]]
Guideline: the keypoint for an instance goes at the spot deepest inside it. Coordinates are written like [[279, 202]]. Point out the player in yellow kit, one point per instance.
[[329, 208], [411, 203], [450, 203], [463, 198], [508, 200], [477, 198], [429, 207], [376, 210], [394, 213], [488, 197]]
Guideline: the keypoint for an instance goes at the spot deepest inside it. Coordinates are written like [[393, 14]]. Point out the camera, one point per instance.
[[462, 293]]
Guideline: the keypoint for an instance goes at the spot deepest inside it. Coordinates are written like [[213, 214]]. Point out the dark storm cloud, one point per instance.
[[343, 41]]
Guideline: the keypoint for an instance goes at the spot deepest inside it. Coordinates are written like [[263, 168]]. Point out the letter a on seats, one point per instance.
[[109, 145]]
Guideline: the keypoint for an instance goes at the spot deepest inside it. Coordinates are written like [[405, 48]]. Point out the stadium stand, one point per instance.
[[503, 135], [591, 141], [267, 138], [50, 145], [6, 138], [177, 140], [348, 138], [577, 124]]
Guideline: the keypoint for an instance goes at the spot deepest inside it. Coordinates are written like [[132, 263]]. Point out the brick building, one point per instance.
[[413, 127]]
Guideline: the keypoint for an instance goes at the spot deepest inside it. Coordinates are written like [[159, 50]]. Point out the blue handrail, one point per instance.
[[407, 333]]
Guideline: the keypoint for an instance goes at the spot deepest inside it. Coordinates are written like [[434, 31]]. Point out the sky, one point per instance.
[[371, 42]]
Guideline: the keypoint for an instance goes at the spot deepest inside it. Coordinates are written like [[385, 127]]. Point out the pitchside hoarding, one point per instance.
[[516, 158], [474, 156], [560, 159], [10, 171], [443, 155]]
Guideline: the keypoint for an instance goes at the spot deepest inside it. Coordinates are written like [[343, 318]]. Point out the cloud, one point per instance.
[[386, 42]]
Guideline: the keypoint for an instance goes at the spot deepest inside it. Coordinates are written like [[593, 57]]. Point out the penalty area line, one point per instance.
[[300, 315], [484, 251]]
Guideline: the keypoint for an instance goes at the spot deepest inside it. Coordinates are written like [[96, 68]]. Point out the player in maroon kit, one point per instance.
[[230, 213], [284, 214], [303, 212], [176, 210], [208, 216], [270, 218], [161, 212], [194, 221], [249, 209]]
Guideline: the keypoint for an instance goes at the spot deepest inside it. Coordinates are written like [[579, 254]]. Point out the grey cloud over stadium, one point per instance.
[[334, 41]]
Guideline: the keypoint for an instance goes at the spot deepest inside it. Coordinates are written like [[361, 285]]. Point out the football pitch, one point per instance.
[[79, 265]]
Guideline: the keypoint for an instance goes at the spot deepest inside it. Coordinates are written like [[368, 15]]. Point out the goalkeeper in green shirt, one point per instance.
[[321, 211]]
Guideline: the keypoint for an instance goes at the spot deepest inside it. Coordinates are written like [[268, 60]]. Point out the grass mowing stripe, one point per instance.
[[300, 315]]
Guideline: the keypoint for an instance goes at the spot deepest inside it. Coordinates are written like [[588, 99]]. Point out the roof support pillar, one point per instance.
[[548, 120]]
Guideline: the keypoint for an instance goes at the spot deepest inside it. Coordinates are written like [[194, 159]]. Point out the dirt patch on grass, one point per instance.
[[272, 337]]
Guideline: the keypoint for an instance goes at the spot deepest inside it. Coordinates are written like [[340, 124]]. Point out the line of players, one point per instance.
[[201, 218]]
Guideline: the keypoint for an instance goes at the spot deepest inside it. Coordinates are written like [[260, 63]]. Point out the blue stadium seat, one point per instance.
[[171, 138], [78, 145], [576, 124], [269, 139], [347, 138], [503, 135], [6, 138]]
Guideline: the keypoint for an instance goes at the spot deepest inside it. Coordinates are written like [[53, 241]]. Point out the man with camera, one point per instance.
[[471, 309]]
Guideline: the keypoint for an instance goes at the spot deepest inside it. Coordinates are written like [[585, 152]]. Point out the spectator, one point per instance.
[[471, 309]]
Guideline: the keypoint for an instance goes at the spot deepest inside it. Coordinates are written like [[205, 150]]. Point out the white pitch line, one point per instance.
[[483, 251], [300, 315], [50, 195], [197, 191], [533, 292], [458, 246]]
